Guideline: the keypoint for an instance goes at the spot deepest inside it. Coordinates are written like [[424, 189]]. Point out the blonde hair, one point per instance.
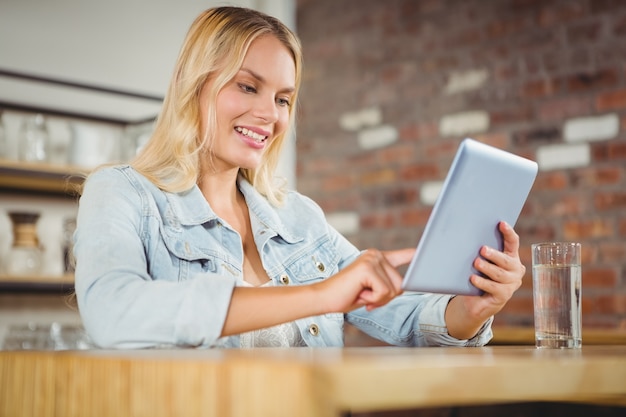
[[214, 47]]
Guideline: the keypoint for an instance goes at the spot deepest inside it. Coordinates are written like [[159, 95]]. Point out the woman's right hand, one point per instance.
[[372, 280]]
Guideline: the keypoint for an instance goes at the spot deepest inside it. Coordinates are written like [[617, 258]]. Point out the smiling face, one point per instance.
[[252, 108]]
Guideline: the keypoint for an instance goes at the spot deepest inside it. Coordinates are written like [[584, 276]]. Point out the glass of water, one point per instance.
[[557, 294]]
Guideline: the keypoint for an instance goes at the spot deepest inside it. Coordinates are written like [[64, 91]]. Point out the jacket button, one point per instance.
[[284, 279], [320, 266], [314, 329]]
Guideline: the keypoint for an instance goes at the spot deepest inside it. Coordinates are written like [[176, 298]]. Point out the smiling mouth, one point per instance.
[[252, 135]]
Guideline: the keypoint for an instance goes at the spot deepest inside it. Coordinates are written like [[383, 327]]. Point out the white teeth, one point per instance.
[[250, 134]]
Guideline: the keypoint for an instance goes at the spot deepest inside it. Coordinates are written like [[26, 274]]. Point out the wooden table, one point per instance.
[[301, 382]]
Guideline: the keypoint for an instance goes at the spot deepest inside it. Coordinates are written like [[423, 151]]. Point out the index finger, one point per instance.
[[394, 259], [399, 257]]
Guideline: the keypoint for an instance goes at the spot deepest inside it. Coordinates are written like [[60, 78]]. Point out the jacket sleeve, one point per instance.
[[120, 304], [414, 319]]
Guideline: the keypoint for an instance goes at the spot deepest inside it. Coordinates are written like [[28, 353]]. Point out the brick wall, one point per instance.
[[391, 87]]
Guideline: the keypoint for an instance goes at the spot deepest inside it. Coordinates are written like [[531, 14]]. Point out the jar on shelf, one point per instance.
[[25, 256], [34, 140]]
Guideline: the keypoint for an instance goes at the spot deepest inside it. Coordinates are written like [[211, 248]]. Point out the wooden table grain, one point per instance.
[[300, 381]]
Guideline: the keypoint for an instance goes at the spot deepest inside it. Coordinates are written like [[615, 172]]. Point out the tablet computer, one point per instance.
[[485, 185]]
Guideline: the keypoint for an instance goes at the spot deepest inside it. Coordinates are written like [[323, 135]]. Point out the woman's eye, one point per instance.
[[283, 102], [246, 88]]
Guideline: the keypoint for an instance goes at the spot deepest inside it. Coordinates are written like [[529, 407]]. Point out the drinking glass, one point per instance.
[[557, 283]]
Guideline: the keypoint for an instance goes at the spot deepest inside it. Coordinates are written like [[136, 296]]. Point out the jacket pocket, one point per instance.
[[315, 262], [187, 257]]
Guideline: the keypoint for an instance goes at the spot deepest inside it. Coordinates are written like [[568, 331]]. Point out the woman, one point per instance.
[[194, 244]]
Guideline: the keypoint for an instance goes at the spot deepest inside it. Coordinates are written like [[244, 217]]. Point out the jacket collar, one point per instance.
[[191, 208], [269, 216]]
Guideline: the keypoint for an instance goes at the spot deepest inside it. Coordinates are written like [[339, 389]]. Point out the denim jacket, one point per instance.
[[158, 269]]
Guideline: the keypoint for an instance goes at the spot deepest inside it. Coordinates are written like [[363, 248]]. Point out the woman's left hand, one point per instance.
[[466, 314], [504, 269]]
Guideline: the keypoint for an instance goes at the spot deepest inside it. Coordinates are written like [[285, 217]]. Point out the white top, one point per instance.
[[282, 335]]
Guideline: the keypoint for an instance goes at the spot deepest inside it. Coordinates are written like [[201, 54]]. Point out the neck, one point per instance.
[[220, 189]]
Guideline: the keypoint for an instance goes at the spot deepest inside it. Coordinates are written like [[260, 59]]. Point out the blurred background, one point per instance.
[[390, 89]]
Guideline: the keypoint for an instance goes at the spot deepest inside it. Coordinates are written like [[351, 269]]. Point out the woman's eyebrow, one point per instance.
[[260, 78]]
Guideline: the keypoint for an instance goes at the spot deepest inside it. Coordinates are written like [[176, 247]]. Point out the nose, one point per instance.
[[266, 108]]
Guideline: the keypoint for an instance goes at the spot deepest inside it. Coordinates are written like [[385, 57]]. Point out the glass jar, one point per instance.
[[25, 256], [34, 140]]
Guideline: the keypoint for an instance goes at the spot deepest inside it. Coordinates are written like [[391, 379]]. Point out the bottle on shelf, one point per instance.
[[34, 140]]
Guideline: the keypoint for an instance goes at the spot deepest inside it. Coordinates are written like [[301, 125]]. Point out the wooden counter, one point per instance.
[[505, 335], [301, 382]]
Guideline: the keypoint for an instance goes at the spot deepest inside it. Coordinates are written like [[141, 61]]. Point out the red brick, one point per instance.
[[594, 277], [538, 88], [587, 304], [587, 229], [528, 209], [415, 217], [417, 131], [611, 7], [551, 180], [619, 27], [377, 221], [497, 139], [338, 183], [362, 160], [563, 206], [465, 37], [612, 252], [611, 304], [390, 196], [611, 101], [401, 154], [616, 150], [442, 63], [509, 116], [505, 72], [597, 176], [589, 254], [429, 130], [557, 14], [587, 32], [380, 177], [610, 201], [622, 227], [537, 232], [506, 27], [316, 166], [421, 172], [589, 81], [440, 149], [563, 108]]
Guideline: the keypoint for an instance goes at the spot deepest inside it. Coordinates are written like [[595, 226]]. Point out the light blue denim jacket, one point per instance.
[[158, 269]]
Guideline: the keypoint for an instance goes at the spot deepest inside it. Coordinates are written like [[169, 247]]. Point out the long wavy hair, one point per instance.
[[214, 48]]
